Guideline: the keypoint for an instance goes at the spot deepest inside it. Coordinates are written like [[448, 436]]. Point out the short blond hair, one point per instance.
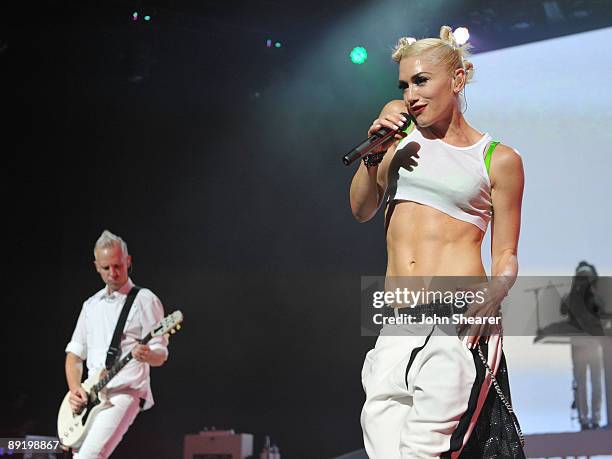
[[108, 239], [444, 50]]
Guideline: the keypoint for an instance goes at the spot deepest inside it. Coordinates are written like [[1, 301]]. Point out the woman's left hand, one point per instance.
[[495, 292]]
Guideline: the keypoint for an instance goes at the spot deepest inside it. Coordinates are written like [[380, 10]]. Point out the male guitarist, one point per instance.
[[129, 391]]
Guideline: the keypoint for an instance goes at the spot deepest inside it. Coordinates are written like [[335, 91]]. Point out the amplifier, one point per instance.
[[217, 444]]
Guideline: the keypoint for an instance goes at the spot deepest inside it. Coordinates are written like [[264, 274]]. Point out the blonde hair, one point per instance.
[[108, 239], [444, 50]]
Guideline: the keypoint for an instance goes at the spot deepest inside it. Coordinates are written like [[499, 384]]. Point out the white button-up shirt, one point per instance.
[[94, 331]]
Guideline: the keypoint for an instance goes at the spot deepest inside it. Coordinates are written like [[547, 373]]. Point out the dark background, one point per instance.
[[218, 160]]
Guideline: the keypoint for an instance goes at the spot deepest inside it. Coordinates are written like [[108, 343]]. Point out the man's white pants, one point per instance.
[[108, 427], [418, 389]]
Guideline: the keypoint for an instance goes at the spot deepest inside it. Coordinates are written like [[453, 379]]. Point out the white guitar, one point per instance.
[[72, 427]]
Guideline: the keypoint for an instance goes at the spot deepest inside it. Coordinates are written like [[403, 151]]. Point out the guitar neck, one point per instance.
[[116, 368]]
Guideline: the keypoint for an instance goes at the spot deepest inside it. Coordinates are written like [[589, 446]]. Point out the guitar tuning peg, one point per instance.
[[166, 335], [178, 327], [173, 331]]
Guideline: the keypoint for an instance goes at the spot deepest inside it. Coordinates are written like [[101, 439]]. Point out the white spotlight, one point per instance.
[[462, 35]]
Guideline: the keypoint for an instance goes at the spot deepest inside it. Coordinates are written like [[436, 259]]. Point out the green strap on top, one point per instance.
[[409, 128], [489, 154]]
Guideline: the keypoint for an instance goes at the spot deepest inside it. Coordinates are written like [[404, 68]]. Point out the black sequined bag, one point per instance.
[[497, 433]]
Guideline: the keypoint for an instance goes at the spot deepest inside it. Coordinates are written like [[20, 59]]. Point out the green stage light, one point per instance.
[[358, 55]]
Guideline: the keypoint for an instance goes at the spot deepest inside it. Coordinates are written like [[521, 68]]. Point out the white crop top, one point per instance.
[[453, 180]]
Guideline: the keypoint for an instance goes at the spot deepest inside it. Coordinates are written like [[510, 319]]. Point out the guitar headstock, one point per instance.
[[169, 324]]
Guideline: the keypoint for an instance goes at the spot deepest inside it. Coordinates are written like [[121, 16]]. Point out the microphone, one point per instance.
[[381, 136]]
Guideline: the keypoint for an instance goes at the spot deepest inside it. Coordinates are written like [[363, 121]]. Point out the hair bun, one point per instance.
[[405, 41], [446, 34]]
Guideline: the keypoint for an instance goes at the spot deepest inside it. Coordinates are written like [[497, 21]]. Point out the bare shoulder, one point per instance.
[[506, 163], [506, 154], [394, 106]]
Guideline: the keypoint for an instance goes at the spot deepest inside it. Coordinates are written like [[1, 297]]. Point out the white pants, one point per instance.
[[423, 396], [108, 427], [586, 354]]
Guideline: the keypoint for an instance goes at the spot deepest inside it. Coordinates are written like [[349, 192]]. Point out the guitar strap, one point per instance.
[[114, 350]]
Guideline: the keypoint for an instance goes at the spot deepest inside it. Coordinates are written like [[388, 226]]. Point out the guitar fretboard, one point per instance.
[[116, 368]]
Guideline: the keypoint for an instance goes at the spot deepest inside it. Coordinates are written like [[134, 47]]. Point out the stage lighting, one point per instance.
[[277, 44], [135, 16], [358, 55], [462, 35]]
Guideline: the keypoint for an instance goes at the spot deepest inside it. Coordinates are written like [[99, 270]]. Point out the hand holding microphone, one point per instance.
[[382, 132]]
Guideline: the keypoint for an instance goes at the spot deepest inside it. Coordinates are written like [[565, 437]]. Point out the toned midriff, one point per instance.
[[422, 241]]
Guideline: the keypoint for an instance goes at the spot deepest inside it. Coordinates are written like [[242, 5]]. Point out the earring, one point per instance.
[[465, 104]]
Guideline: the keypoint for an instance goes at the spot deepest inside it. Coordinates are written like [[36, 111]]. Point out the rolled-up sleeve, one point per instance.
[[78, 342], [152, 311]]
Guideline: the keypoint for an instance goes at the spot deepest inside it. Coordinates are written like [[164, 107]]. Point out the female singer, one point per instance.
[[434, 395]]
